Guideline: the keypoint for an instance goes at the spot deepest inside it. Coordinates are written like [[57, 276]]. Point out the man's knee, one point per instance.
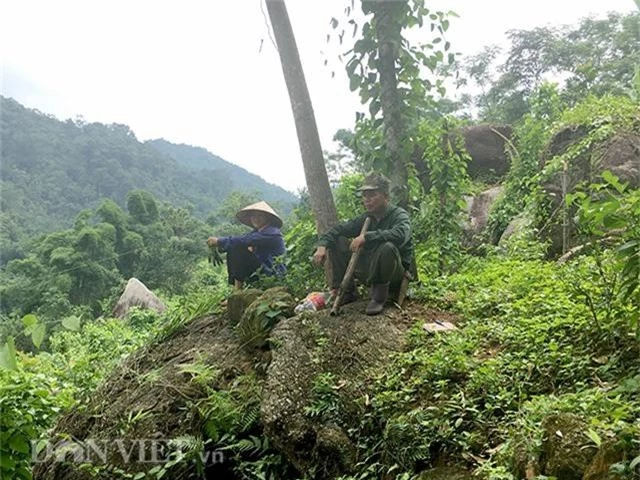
[[388, 246], [387, 250], [386, 264]]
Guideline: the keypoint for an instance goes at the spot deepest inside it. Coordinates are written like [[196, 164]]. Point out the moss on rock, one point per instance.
[[259, 318], [238, 302], [566, 450]]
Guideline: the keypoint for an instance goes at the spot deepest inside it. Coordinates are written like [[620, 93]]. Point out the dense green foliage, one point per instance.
[[528, 348], [52, 170], [80, 270], [43, 385]]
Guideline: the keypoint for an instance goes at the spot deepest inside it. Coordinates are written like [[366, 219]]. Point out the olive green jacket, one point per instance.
[[393, 227]]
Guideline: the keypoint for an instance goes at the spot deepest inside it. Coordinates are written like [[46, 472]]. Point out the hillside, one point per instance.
[[197, 158], [52, 169]]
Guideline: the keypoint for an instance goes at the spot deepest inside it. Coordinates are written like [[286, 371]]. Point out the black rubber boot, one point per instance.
[[378, 296]]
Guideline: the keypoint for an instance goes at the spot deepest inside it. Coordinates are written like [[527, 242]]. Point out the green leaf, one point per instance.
[[19, 444], [30, 320], [636, 461], [7, 462], [612, 180], [594, 437], [71, 323], [374, 108], [354, 82], [8, 355], [630, 245], [37, 336]]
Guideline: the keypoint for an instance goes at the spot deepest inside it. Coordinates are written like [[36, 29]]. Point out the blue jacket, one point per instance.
[[267, 243]]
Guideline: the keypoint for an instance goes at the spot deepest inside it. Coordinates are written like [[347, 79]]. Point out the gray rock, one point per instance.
[[478, 210], [620, 155], [136, 294], [515, 227], [486, 147]]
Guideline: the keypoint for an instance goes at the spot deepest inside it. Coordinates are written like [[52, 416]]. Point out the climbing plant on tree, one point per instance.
[[389, 72]]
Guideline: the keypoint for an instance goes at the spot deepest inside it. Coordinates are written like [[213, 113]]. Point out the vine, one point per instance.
[[389, 72]]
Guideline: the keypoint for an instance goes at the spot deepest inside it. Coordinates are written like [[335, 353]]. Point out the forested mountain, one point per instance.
[[51, 170]]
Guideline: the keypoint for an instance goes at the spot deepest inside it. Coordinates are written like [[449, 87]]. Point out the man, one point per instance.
[[255, 251], [387, 250]]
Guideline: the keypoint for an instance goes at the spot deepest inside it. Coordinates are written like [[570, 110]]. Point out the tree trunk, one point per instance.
[[315, 171], [388, 32]]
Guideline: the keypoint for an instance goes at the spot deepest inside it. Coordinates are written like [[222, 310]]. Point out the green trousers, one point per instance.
[[381, 264]]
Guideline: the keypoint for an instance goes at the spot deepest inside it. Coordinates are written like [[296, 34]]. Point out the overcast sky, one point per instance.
[[193, 71]]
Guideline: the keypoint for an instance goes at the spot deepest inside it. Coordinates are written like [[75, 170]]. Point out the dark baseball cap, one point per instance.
[[375, 181]]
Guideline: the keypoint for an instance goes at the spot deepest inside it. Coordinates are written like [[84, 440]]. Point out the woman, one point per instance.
[[255, 251]]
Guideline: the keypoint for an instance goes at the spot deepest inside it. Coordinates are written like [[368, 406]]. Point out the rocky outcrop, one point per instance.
[[485, 145], [136, 294], [305, 394], [151, 398], [620, 155], [516, 226], [318, 368], [566, 450]]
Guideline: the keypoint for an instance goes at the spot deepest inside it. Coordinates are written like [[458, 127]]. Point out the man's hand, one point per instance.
[[319, 255], [212, 241], [357, 243]]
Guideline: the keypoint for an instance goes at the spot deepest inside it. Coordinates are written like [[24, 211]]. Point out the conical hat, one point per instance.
[[244, 215]]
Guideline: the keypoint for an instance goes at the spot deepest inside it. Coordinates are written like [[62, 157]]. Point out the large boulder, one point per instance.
[[136, 294], [319, 367], [516, 227], [486, 147], [620, 154], [478, 210]]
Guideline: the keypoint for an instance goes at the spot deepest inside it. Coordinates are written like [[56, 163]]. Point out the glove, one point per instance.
[[215, 258]]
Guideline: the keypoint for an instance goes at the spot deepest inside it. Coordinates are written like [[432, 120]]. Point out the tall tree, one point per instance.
[[396, 78], [389, 36], [315, 171]]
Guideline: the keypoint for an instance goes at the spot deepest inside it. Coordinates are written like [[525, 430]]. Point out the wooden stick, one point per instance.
[[404, 287], [348, 275]]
